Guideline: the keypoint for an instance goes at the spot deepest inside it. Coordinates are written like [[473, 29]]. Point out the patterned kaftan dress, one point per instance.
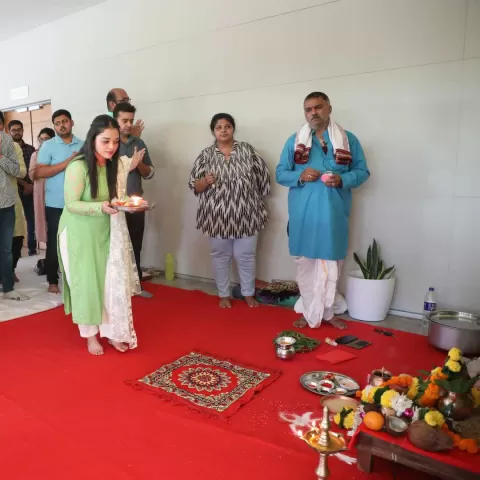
[[95, 254]]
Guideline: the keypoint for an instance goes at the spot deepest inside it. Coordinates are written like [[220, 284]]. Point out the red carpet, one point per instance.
[[67, 415]]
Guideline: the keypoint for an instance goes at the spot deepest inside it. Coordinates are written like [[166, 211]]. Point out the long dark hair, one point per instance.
[[98, 126]]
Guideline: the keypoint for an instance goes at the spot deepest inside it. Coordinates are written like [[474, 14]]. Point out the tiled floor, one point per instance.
[[397, 323]]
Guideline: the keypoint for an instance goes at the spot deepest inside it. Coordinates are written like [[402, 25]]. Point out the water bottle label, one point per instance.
[[429, 307]]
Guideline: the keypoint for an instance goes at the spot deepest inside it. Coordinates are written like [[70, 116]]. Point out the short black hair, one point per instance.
[[14, 122], [221, 116], [111, 97], [49, 131], [317, 95], [59, 113], [123, 107], [2, 118]]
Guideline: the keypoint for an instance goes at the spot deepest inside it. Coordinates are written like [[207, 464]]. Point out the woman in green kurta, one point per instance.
[[91, 182]]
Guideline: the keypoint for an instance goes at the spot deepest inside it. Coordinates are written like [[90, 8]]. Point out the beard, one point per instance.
[[64, 133]]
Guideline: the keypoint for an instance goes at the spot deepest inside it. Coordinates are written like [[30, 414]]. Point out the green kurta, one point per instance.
[[87, 231]]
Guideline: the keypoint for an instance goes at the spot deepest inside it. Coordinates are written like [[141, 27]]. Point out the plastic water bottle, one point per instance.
[[169, 267], [429, 306]]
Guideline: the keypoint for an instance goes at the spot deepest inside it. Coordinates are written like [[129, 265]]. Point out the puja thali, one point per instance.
[[329, 383], [132, 208]]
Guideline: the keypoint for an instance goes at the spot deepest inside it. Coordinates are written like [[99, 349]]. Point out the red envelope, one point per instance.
[[336, 356]]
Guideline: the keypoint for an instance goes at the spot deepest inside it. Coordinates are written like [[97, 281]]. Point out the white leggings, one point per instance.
[[244, 251]]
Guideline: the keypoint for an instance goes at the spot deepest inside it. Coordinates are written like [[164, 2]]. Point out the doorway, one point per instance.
[[33, 117]]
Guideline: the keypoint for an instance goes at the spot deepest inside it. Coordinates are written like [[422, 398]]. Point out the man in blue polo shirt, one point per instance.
[[53, 159]]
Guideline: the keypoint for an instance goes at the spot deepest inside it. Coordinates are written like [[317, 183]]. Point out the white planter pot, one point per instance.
[[368, 300]]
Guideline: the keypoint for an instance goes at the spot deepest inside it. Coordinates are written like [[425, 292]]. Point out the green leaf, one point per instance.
[[458, 385], [422, 413], [366, 273], [378, 394], [369, 259], [375, 259], [381, 268], [387, 273]]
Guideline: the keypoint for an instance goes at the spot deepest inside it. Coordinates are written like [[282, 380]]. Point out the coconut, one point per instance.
[[428, 438], [396, 426]]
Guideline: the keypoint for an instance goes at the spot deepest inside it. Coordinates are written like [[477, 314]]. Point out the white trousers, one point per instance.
[[244, 251], [86, 331], [317, 281]]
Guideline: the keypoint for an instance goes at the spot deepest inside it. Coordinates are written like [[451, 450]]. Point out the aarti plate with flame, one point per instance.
[[134, 205]]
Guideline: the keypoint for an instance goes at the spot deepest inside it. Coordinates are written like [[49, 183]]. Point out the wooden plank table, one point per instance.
[[369, 446]]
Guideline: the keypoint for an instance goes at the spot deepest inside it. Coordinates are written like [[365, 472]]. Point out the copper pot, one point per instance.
[[456, 406]]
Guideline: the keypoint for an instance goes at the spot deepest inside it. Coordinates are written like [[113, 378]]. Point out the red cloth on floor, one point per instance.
[[65, 414], [336, 356]]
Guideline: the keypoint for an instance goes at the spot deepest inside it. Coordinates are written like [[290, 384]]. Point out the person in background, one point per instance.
[[98, 265], [19, 229], [53, 159], [39, 187], [9, 167], [119, 95], [321, 164], [25, 185], [231, 180], [124, 113]]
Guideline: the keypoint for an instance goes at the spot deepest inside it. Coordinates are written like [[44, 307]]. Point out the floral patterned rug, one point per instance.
[[209, 385]]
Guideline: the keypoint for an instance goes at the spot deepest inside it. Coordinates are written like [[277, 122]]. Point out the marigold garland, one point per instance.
[[387, 397], [413, 391], [464, 444], [430, 396], [453, 366], [455, 354], [345, 418], [403, 381]]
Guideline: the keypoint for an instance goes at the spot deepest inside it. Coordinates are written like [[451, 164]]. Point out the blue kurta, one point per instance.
[[319, 215]]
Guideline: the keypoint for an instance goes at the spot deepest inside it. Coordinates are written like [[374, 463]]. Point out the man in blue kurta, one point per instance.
[[321, 164]]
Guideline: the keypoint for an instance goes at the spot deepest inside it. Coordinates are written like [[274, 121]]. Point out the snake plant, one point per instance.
[[374, 267]]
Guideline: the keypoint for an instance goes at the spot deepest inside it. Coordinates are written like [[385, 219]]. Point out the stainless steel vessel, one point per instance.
[[449, 329], [285, 347]]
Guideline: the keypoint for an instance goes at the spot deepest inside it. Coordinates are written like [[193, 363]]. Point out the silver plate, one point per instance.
[[131, 209], [317, 376], [457, 320]]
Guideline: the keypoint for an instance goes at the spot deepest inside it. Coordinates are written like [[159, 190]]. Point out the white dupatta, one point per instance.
[[121, 280]]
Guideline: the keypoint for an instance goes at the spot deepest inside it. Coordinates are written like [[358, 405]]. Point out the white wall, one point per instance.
[[404, 76]]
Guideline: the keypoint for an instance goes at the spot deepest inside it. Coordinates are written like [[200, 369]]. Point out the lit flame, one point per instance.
[[137, 200]]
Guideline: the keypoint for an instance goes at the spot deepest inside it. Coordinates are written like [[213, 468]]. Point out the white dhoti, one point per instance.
[[317, 281]]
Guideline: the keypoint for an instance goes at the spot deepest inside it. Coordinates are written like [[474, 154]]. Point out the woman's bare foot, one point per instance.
[[300, 323], [54, 289], [225, 303], [94, 346], [337, 323], [251, 302], [121, 347]]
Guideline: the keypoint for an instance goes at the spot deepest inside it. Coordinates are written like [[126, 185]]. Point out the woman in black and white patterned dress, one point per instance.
[[231, 179]]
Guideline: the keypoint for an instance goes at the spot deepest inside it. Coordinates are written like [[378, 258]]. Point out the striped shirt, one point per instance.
[[8, 166], [233, 207]]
